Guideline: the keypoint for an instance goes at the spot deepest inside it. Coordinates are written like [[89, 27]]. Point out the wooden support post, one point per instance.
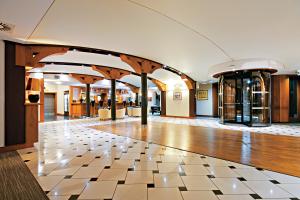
[[163, 102], [136, 99], [113, 99], [88, 100], [42, 101], [144, 98]]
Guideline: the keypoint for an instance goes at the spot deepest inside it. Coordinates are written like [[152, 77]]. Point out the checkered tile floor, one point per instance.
[[76, 162]]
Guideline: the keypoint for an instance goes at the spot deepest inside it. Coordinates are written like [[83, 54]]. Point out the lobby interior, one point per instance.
[[138, 100]]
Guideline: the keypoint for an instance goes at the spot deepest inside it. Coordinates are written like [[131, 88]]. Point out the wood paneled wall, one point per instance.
[[215, 98], [280, 98]]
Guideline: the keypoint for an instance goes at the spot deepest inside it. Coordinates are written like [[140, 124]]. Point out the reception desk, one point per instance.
[[79, 109]]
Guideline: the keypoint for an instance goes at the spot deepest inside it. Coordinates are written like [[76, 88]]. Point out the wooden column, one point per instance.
[[14, 98], [215, 97], [280, 98], [192, 103], [113, 99], [88, 100], [163, 102], [298, 99], [136, 99], [144, 98], [142, 67], [191, 85], [42, 101]]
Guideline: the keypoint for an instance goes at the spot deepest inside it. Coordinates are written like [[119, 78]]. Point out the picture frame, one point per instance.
[[177, 96], [202, 95]]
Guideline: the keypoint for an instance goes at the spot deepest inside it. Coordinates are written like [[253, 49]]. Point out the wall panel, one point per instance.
[[280, 98]]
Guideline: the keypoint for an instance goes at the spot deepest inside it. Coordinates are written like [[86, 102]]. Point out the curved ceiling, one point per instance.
[[191, 36]]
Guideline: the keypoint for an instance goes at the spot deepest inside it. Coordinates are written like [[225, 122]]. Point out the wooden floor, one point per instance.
[[272, 152], [16, 180]]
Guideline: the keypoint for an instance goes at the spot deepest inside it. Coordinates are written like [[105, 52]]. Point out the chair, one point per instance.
[[104, 114], [120, 113], [137, 112]]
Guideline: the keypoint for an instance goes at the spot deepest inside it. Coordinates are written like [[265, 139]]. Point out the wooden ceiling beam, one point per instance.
[[160, 85], [140, 65], [111, 73], [86, 79], [32, 55]]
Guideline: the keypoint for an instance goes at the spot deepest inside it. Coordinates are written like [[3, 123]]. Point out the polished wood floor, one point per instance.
[[272, 152]]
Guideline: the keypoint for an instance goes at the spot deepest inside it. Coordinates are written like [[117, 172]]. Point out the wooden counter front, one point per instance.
[[31, 128], [78, 109], [31, 123]]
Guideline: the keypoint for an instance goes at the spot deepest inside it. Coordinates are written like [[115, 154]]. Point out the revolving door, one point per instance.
[[244, 97]]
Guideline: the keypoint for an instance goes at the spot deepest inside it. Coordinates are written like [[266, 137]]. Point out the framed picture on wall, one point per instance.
[[177, 95], [202, 95]]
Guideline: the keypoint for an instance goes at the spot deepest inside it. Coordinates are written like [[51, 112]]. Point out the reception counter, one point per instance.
[[79, 110]]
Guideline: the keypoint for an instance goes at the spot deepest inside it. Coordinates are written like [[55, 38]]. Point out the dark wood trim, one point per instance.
[[163, 103], [215, 98], [144, 105], [14, 98], [113, 99], [88, 100]]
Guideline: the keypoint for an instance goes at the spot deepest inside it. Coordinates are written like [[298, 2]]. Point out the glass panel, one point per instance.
[[239, 100], [260, 99], [220, 101], [246, 101], [244, 97]]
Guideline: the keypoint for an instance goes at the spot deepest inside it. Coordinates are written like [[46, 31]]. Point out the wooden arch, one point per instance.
[[140, 65], [86, 79], [32, 55], [111, 73]]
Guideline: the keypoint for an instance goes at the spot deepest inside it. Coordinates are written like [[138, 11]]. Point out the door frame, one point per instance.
[[55, 100], [67, 113]]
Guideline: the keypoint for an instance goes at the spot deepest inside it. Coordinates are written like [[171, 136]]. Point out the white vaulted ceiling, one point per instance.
[[191, 36]]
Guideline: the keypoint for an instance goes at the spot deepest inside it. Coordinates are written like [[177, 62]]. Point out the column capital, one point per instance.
[[140, 65], [111, 73], [86, 79]]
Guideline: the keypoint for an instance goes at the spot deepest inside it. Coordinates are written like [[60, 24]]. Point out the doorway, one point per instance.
[[66, 103], [50, 106]]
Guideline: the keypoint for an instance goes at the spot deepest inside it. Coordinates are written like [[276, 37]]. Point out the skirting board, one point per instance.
[[185, 117]]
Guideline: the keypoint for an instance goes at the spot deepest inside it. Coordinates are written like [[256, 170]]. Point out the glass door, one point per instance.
[[247, 101]]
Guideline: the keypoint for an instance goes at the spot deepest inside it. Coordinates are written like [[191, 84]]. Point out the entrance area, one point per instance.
[[244, 97]]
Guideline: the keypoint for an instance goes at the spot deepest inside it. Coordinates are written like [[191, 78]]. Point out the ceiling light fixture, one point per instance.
[[4, 27]]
